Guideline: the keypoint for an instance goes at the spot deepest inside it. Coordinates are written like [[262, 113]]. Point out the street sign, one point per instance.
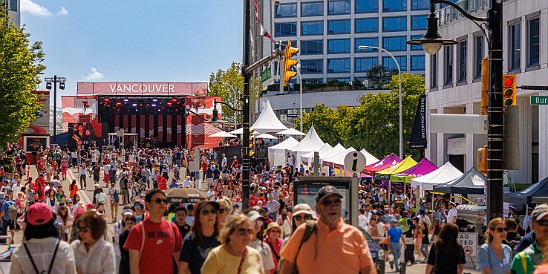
[[354, 161], [539, 100], [469, 242]]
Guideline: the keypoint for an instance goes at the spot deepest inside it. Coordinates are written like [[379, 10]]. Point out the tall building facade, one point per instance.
[[453, 82], [14, 10]]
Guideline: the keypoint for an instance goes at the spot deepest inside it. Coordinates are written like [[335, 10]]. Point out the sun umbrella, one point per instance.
[[223, 134], [184, 195], [291, 131], [266, 136]]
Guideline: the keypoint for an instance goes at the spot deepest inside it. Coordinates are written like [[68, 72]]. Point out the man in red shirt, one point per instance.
[[154, 243], [162, 182]]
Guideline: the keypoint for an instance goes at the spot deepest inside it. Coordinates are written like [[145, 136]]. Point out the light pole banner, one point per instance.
[[418, 135]]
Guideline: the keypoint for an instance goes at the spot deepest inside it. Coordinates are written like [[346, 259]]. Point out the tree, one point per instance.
[[20, 67], [378, 76], [229, 85]]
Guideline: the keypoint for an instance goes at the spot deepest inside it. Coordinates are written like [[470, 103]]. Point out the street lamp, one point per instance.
[[399, 94], [215, 121], [432, 43], [49, 82]]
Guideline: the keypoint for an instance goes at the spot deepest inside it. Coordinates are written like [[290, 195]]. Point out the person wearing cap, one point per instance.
[[273, 239], [41, 239], [526, 260], [201, 239], [155, 242], [257, 222], [323, 249], [452, 214]]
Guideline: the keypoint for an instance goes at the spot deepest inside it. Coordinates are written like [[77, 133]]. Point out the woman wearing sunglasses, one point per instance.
[[274, 241], [234, 255], [224, 211], [202, 239], [494, 257]]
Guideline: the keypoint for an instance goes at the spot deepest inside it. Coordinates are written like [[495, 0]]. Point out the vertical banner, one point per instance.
[[116, 122], [151, 126], [142, 129], [168, 130], [160, 128], [179, 132], [125, 118], [418, 135], [134, 123]]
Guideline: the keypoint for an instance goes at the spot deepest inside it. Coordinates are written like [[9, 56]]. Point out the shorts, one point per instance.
[[125, 191], [384, 247]]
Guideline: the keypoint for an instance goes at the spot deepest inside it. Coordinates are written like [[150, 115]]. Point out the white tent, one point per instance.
[[291, 131], [310, 142], [338, 158], [277, 153], [309, 157], [442, 175], [267, 121], [336, 150], [369, 159]]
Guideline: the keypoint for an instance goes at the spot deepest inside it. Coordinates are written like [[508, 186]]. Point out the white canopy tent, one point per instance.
[[338, 159], [223, 134], [336, 150], [267, 121], [310, 142], [442, 175], [369, 159], [309, 157], [291, 131], [277, 153]]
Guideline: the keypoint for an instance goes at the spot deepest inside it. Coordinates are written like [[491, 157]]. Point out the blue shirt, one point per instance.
[[395, 234], [5, 207], [488, 259]]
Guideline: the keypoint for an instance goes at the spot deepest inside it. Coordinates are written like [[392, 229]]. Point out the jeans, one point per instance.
[[424, 250], [409, 255], [396, 252]]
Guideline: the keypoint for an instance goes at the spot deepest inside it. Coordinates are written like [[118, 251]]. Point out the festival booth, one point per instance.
[[404, 165], [385, 163], [267, 121], [472, 182], [423, 167], [336, 161], [442, 175], [311, 142], [277, 155], [369, 159], [308, 159], [535, 194]]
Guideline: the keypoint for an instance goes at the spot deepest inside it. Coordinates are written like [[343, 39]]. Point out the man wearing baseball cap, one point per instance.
[[526, 260], [330, 235]]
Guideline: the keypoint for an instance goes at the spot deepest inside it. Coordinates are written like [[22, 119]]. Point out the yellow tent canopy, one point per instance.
[[406, 164]]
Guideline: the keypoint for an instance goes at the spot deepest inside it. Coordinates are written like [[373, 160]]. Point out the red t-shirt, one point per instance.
[[162, 182], [159, 246]]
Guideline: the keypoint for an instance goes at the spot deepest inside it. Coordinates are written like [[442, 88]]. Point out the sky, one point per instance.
[[134, 40]]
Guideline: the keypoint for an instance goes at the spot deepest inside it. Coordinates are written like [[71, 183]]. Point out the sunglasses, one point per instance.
[[160, 200], [275, 231], [542, 222], [222, 210], [83, 229], [327, 203], [300, 217], [207, 212], [244, 231], [501, 229]]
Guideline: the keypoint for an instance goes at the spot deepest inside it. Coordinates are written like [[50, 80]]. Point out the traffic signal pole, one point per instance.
[[246, 106]]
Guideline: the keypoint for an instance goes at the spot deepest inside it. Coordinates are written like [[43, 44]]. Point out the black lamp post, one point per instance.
[[432, 43], [54, 81]]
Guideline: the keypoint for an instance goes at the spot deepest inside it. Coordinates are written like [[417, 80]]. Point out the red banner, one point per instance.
[[142, 88]]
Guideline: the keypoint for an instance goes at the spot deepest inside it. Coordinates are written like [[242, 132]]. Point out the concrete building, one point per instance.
[[14, 10], [453, 82]]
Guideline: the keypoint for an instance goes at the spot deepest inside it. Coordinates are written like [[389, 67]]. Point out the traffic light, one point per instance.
[[509, 89], [482, 159], [484, 86], [289, 63], [251, 150]]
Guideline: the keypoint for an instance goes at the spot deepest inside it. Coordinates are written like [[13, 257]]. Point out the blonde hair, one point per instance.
[[230, 225], [225, 201], [491, 227]]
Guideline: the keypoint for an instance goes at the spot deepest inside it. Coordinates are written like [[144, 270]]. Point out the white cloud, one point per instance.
[[93, 75], [29, 6]]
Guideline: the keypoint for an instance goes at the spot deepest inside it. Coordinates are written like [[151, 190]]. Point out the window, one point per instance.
[[394, 5], [341, 80], [367, 25], [285, 10], [284, 44], [364, 64], [514, 47], [416, 47], [394, 43], [418, 22], [285, 29], [311, 66], [434, 71], [478, 55], [338, 26], [338, 7], [312, 28], [13, 5], [448, 53], [312, 81], [338, 65], [311, 47], [461, 57], [369, 41], [417, 62], [389, 64], [420, 4], [533, 40], [338, 46], [394, 23], [312, 9], [364, 6]]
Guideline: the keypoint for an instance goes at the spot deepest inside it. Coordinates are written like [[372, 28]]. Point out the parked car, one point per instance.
[[377, 253]]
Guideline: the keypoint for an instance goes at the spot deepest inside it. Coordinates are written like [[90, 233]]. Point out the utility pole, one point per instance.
[[246, 106]]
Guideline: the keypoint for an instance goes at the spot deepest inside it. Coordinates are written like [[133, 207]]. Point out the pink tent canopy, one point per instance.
[[385, 163], [423, 167]]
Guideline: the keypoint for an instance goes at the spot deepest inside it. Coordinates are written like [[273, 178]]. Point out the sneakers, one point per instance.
[[391, 265]]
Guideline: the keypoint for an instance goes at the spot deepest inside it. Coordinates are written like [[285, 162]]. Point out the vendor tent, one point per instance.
[[406, 164], [536, 193], [310, 142], [369, 159], [277, 153], [385, 163], [424, 166], [309, 157], [338, 159], [442, 175], [267, 121], [472, 182], [291, 131], [335, 150]]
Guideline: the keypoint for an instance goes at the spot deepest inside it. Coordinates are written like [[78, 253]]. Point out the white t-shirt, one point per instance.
[[452, 216]]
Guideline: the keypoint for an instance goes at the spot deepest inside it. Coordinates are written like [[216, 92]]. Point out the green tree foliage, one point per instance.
[[20, 66], [374, 125], [229, 84]]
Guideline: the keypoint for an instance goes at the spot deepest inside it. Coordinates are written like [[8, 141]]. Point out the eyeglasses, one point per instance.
[[244, 231], [542, 222], [83, 229], [160, 200], [275, 231], [300, 217], [207, 212], [327, 203], [222, 210], [501, 229]]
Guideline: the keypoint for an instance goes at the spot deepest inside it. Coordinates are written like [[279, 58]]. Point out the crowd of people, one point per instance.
[[218, 235]]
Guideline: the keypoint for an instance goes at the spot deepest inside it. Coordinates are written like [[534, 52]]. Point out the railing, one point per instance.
[[449, 14]]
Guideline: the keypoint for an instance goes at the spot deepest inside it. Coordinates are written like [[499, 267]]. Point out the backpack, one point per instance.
[[115, 196], [40, 192], [12, 212], [309, 229]]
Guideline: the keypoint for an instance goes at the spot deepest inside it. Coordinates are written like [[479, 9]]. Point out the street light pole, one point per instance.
[[246, 111], [399, 95], [49, 82]]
